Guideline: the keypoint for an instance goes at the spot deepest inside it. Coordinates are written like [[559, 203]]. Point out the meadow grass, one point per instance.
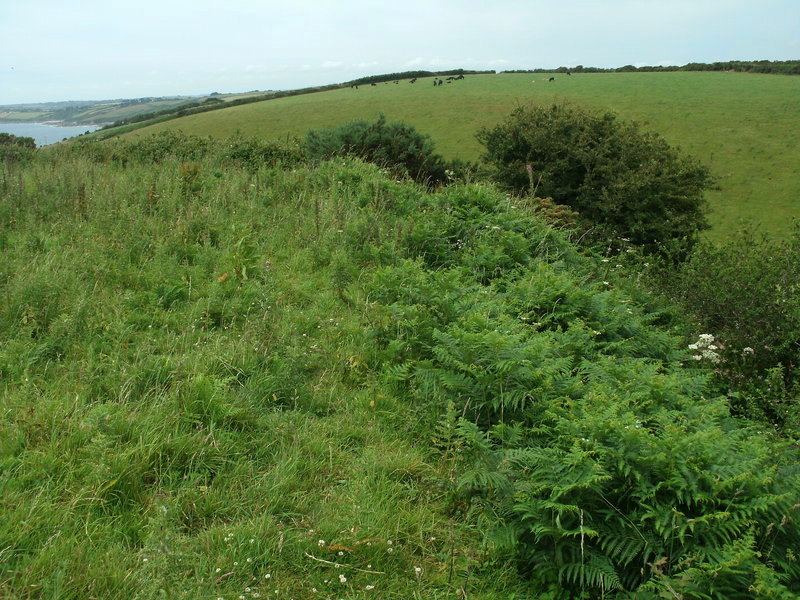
[[184, 405], [741, 125]]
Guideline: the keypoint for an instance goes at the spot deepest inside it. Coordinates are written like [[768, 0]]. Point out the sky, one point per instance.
[[54, 50]]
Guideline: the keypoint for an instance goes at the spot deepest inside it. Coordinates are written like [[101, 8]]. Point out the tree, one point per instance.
[[630, 183], [15, 148], [6, 140]]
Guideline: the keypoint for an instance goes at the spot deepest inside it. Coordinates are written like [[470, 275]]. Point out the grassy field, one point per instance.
[[741, 125]]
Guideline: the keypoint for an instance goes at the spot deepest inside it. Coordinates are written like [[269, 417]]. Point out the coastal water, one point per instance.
[[45, 133]]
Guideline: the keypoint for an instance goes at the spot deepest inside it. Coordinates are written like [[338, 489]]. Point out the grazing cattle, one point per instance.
[[373, 85], [568, 73], [413, 80], [552, 79]]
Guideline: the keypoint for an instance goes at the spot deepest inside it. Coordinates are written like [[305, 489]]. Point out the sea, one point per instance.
[[45, 133]]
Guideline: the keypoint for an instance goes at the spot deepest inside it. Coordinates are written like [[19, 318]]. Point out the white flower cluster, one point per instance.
[[706, 348]]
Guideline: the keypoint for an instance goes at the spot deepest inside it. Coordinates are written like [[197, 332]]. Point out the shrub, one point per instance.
[[629, 182], [396, 146], [746, 294], [254, 153], [16, 148]]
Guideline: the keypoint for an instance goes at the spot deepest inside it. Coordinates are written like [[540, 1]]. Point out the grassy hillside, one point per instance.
[[741, 125], [101, 111], [184, 402], [223, 378]]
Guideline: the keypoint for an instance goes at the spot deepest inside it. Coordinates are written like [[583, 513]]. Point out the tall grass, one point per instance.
[[183, 404]]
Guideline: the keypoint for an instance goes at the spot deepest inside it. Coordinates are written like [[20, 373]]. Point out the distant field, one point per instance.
[[743, 126], [13, 116]]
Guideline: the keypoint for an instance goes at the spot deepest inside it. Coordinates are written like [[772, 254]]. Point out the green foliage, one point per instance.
[[395, 146], [746, 293], [629, 182], [14, 148], [784, 67], [185, 403], [601, 462]]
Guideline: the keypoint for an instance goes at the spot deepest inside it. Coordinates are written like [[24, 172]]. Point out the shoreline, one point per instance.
[[54, 123]]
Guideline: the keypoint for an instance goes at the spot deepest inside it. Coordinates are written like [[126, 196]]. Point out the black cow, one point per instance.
[[552, 79]]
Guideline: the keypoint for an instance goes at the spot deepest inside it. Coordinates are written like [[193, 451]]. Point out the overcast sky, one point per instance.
[[54, 50]]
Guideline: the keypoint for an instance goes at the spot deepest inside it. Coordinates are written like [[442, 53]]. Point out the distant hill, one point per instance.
[[103, 112]]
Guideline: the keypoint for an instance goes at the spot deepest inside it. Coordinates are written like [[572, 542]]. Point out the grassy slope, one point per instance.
[[199, 381], [742, 125], [184, 408]]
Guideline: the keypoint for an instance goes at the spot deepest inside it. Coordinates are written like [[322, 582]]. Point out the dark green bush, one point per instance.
[[14, 148], [628, 182], [395, 146]]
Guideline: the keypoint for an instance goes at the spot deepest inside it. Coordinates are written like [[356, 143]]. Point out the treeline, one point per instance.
[[213, 103], [412, 75], [781, 67]]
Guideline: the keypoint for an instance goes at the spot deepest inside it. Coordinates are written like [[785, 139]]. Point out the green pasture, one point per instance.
[[19, 116], [742, 125]]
